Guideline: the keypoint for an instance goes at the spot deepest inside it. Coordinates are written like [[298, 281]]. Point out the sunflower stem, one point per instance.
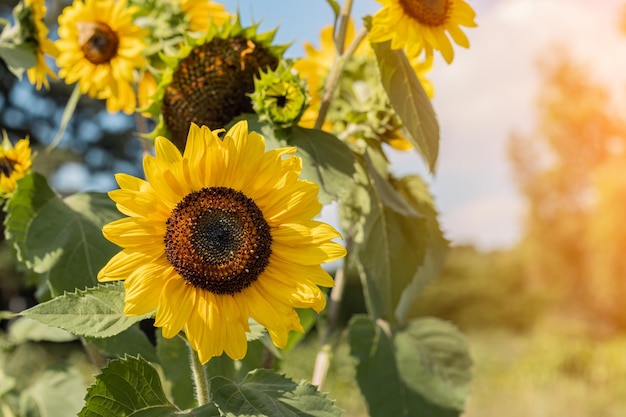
[[335, 75], [199, 375], [324, 355], [344, 19], [70, 107]]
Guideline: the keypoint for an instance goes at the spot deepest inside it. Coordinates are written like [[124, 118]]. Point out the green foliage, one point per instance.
[[131, 387], [42, 379], [389, 239], [59, 238], [266, 393], [424, 366], [127, 387], [474, 284], [409, 100], [94, 312]]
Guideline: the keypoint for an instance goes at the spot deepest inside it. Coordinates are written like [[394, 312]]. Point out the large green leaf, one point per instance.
[[415, 192], [60, 238], [425, 367], [389, 240], [409, 100], [127, 387], [95, 312], [266, 393], [326, 160]]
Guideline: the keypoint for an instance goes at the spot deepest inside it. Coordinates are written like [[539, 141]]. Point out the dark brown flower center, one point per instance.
[[218, 240], [427, 12], [98, 42], [211, 85], [7, 166]]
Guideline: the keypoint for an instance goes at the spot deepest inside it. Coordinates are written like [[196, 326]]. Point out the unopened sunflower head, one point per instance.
[[423, 25], [280, 96], [15, 162], [209, 81], [101, 47], [361, 109], [25, 44]]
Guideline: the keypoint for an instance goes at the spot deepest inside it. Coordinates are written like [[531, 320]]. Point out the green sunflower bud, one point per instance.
[[280, 96]]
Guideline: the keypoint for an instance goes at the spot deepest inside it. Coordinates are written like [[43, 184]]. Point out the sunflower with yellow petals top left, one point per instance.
[[100, 48], [217, 235]]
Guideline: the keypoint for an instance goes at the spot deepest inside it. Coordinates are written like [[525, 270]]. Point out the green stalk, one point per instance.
[[324, 354], [343, 56], [199, 375]]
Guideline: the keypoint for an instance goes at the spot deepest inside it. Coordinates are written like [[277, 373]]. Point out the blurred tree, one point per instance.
[[571, 170]]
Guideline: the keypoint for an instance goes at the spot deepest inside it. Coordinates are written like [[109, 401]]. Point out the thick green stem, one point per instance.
[[200, 379]]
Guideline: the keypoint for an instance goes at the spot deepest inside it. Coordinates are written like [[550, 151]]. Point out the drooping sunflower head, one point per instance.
[[209, 81], [15, 162], [219, 234], [417, 25], [100, 47], [39, 74], [280, 96], [26, 43]]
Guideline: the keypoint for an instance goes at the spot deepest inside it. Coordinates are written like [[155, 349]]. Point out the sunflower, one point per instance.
[[416, 25], [15, 162], [39, 74], [100, 47], [219, 234], [200, 14], [209, 81]]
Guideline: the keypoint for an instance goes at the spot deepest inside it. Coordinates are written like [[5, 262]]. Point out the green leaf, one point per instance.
[[57, 392], [389, 240], [95, 312], [415, 192], [335, 6], [266, 393], [409, 100], [131, 387], [131, 341], [61, 238], [127, 387], [326, 161], [425, 367]]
